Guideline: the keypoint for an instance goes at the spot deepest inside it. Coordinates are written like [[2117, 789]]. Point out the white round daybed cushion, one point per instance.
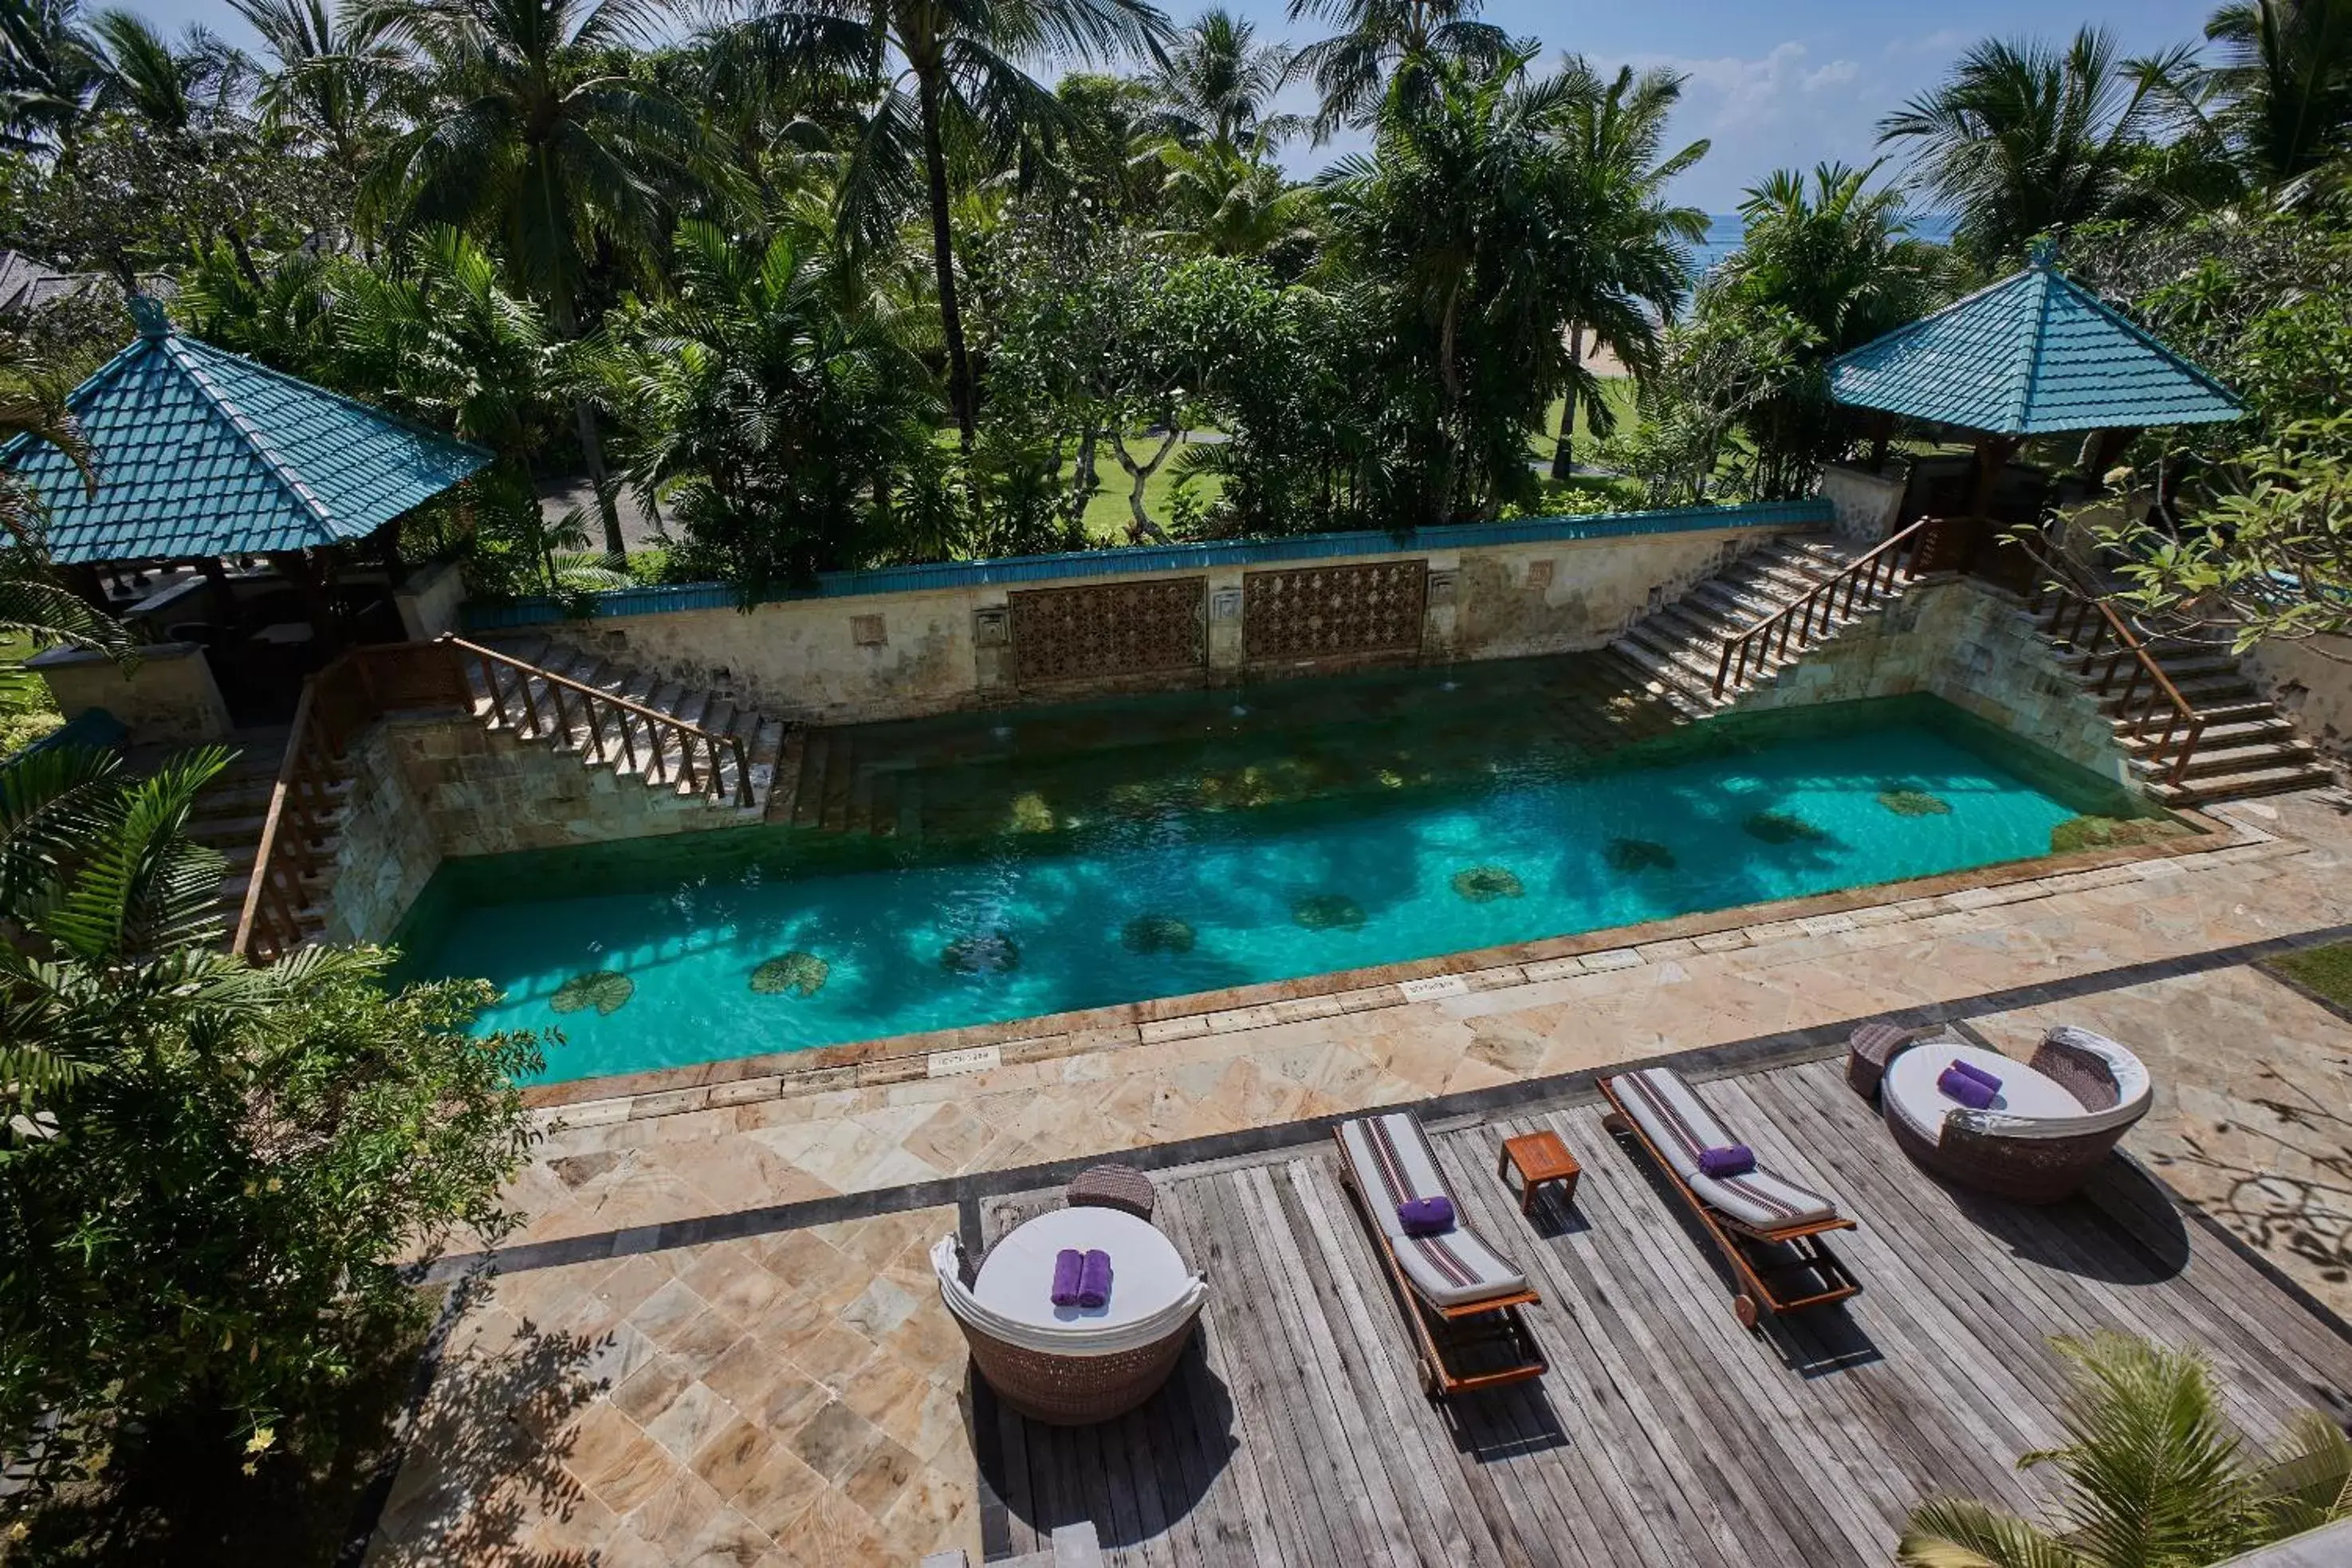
[[2028, 1105]]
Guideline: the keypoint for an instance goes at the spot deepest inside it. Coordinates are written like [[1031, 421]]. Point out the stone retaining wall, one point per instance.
[[1973, 645], [428, 787], [951, 637], [2311, 681]]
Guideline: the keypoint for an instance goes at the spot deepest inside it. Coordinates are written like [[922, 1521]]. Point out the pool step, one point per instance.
[[2247, 746], [1675, 651], [541, 705]]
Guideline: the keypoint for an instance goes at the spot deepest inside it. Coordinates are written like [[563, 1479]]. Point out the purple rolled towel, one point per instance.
[[1979, 1073], [1973, 1092], [1068, 1265], [1426, 1215], [1094, 1278], [1730, 1160]]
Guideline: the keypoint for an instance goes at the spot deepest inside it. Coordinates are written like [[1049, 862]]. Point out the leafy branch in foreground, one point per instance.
[[2153, 1475], [2269, 555]]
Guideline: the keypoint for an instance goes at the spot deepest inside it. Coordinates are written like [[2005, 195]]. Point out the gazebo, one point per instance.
[[227, 503], [2033, 355]]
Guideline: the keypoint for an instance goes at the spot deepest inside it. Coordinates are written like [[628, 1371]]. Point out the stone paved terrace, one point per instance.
[[717, 1341]]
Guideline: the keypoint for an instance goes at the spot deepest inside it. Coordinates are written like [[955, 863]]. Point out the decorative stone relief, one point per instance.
[[1226, 604], [868, 631], [1444, 585], [992, 628], [1322, 612], [1540, 573], [1104, 629]]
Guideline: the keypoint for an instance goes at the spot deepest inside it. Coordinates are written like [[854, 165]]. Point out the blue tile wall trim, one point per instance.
[[950, 574]]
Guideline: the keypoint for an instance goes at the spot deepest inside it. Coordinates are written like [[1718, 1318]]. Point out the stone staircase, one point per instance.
[[1676, 649], [2247, 747], [228, 817], [529, 705]]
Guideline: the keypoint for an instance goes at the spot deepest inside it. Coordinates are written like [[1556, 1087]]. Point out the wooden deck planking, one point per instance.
[[1295, 1432]]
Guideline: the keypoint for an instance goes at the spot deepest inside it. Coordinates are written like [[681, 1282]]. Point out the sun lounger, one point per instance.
[[1769, 1227], [1462, 1297]]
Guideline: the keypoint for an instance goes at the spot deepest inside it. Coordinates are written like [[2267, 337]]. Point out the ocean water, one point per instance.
[[1725, 231], [1112, 873]]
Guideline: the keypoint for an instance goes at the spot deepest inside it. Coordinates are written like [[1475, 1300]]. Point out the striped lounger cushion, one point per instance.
[[1393, 1162], [1679, 1125]]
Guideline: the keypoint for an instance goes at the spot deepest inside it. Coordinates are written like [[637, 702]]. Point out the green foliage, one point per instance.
[[2024, 138], [216, 1221], [1824, 266], [2152, 1475], [762, 410]]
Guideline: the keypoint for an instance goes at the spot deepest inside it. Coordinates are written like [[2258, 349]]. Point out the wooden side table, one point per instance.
[[1538, 1157]]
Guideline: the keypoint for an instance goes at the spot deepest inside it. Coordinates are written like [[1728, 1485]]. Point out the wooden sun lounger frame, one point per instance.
[[1740, 1243], [1430, 1321]]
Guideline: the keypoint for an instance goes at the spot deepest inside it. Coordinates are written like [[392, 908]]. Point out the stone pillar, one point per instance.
[[1226, 655]]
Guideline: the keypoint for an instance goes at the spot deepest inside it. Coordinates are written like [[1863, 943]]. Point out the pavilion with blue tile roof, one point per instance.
[[2035, 354], [198, 453]]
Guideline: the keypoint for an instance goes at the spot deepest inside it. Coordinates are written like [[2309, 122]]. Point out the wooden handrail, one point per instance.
[[1865, 575], [349, 692], [2086, 610], [599, 706]]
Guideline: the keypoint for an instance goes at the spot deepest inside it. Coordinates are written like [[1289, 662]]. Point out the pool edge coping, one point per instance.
[[907, 1057]]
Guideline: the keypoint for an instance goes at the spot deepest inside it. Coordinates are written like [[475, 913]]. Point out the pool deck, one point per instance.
[[716, 1333]]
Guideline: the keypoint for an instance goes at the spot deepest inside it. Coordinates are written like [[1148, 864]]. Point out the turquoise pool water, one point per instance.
[[1112, 882]]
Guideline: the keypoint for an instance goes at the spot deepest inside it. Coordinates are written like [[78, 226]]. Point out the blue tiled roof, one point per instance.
[[200, 452], [2034, 354]]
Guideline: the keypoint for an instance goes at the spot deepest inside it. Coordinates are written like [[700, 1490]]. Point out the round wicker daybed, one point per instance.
[[1076, 1372], [2053, 1123]]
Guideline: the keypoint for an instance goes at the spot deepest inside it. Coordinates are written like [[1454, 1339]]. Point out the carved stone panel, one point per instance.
[[1108, 630], [1326, 611]]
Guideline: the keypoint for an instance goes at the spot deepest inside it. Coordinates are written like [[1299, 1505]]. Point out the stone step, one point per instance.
[[787, 790], [2265, 725], [2203, 790], [2210, 758]]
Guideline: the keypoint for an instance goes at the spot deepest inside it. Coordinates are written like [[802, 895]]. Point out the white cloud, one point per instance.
[[1786, 108]]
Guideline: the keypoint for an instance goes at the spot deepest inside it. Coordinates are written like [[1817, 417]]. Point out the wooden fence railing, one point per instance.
[[2086, 622], [1864, 577], [659, 747], [340, 700]]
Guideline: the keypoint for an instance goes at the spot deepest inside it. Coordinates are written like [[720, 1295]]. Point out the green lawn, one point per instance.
[[1618, 390], [1108, 516], [2325, 970]]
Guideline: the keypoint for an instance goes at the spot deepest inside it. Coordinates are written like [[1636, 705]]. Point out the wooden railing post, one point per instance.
[[1818, 608]]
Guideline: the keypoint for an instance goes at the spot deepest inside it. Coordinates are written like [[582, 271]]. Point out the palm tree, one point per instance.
[[48, 72], [1631, 245], [335, 85], [2023, 139], [1454, 223], [1224, 202], [548, 144], [1826, 266], [1351, 69], [1218, 87], [169, 88], [937, 66], [2154, 1477], [2284, 84], [771, 411]]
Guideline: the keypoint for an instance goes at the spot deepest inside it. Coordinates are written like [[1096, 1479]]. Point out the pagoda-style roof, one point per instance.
[[200, 452], [2035, 354]]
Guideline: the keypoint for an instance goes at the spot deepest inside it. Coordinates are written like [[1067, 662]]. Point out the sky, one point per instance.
[[1772, 83]]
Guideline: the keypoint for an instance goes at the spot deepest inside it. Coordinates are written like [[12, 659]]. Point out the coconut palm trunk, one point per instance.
[[935, 173], [591, 444], [1563, 451]]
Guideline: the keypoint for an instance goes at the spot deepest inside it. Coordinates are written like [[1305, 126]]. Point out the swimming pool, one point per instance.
[[1400, 827]]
